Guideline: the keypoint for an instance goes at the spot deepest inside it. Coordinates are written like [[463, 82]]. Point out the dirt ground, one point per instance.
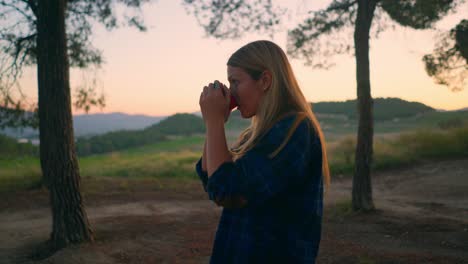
[[422, 217]]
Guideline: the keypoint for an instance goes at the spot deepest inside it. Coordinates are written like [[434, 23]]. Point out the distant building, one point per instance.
[[23, 140], [34, 141]]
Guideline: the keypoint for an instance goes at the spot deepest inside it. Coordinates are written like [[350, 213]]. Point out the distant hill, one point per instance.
[[179, 124], [99, 124], [102, 123], [20, 132], [334, 125], [175, 125], [384, 108], [94, 124], [116, 140]]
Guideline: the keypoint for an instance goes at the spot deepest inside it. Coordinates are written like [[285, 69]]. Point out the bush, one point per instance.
[[404, 150], [451, 123], [9, 148]]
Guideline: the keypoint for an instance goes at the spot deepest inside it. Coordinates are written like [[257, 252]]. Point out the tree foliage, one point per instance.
[[18, 46], [307, 42], [327, 32], [226, 19], [417, 14], [448, 64]]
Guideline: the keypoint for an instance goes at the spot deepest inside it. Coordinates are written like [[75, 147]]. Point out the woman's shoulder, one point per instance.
[[298, 119], [299, 123]]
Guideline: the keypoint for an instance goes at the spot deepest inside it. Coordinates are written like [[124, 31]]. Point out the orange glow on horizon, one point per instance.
[[162, 72]]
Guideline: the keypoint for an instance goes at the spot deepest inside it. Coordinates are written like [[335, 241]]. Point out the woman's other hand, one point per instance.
[[227, 95], [214, 103]]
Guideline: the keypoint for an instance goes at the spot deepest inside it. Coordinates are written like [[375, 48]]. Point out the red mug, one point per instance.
[[233, 103]]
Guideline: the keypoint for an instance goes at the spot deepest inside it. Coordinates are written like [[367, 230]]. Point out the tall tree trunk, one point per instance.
[[362, 187], [59, 163]]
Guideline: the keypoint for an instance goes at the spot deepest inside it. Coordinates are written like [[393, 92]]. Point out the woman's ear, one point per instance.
[[266, 80]]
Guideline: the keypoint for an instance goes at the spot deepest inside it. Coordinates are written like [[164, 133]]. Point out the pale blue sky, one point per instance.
[[162, 71]]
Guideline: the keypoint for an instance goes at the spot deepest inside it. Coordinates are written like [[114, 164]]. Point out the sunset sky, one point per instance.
[[162, 71]]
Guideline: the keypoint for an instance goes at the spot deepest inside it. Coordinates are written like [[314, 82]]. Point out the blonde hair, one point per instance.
[[283, 97]]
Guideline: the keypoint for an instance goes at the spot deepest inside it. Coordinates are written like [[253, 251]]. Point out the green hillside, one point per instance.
[[176, 158], [116, 140], [337, 126], [384, 108], [337, 119], [175, 125], [181, 124]]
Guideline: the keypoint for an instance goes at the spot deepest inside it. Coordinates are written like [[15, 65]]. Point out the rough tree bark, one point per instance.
[[362, 187], [57, 148]]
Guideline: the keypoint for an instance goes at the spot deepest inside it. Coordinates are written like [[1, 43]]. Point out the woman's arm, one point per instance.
[[217, 153], [204, 168], [216, 147]]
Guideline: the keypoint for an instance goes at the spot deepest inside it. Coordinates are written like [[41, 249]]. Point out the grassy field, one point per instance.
[[19, 173], [337, 126], [176, 158], [402, 149]]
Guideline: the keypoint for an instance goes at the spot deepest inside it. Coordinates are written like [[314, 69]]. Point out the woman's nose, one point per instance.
[[232, 89]]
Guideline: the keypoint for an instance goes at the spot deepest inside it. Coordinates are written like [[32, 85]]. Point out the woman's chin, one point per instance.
[[244, 114]]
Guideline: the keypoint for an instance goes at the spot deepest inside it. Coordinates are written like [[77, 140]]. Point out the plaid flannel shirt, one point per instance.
[[281, 221]]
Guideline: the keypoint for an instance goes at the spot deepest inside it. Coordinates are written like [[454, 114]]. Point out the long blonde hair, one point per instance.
[[283, 97]]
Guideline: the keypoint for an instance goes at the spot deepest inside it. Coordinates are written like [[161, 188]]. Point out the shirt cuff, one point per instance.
[[203, 175], [222, 183]]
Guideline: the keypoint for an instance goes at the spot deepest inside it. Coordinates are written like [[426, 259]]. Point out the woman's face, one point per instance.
[[247, 91]]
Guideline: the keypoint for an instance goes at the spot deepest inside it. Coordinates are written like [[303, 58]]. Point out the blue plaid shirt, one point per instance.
[[281, 221]]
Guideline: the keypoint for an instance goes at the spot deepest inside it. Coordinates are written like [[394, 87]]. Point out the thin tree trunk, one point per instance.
[[362, 187], [59, 163]]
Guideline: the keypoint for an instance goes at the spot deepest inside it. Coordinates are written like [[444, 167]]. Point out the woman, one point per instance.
[[270, 181]]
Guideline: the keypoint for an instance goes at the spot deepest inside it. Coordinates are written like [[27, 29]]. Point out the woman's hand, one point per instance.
[[214, 103]]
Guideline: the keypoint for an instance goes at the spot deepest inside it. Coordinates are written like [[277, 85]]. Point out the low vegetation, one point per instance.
[[176, 158]]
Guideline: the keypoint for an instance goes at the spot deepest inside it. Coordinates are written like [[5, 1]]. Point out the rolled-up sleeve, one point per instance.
[[256, 177], [203, 175]]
